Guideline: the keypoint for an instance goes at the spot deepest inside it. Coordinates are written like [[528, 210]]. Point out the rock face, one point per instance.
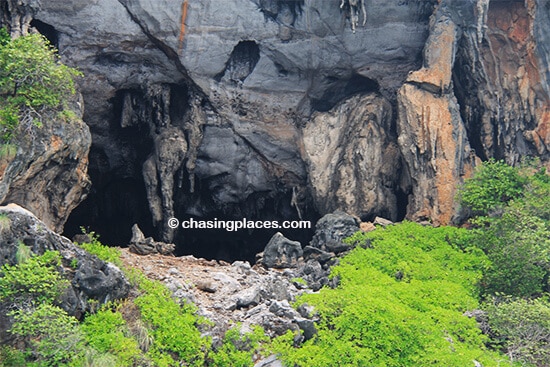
[[432, 135], [224, 94], [91, 279], [48, 172], [276, 109], [353, 161]]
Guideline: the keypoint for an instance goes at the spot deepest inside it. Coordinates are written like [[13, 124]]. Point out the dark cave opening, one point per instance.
[[47, 31], [402, 198], [117, 199], [241, 62], [338, 89], [243, 244], [111, 210], [466, 92]]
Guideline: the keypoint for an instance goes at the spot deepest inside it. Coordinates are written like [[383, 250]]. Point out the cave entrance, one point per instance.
[[119, 199], [47, 31], [336, 89], [229, 246]]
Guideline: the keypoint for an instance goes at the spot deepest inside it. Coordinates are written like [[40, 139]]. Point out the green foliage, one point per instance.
[[5, 222], [36, 280], [23, 253], [173, 326], [52, 336], [517, 238], [492, 186], [7, 151], [518, 246], [238, 348], [11, 357], [105, 253], [106, 331], [399, 303], [32, 82], [521, 328]]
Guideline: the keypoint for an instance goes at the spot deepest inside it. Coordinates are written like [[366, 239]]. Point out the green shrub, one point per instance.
[[173, 326], [399, 303], [238, 348], [12, 357], [492, 186], [106, 331], [36, 280], [52, 336], [105, 253], [521, 328], [518, 246], [5, 222], [32, 82]]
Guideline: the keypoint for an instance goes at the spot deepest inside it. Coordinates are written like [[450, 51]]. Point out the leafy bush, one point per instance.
[[32, 82], [518, 246], [36, 280], [173, 326], [238, 348], [53, 336], [106, 331], [522, 328], [399, 303], [105, 253], [492, 186], [11, 357]]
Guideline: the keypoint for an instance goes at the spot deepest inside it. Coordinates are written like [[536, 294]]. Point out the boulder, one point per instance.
[[281, 252], [331, 229], [146, 246]]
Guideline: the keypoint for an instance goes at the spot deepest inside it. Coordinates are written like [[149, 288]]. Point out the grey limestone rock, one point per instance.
[[331, 229], [48, 172], [145, 246], [281, 252]]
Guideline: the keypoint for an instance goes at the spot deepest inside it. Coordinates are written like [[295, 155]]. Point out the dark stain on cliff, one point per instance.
[[338, 89], [241, 63]]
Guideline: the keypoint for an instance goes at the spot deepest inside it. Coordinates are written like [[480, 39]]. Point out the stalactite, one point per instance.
[[195, 120]]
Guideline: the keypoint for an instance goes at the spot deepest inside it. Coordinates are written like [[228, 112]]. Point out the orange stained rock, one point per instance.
[[182, 25], [56, 142]]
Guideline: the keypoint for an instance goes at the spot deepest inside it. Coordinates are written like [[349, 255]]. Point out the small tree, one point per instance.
[[521, 328], [32, 82], [492, 186]]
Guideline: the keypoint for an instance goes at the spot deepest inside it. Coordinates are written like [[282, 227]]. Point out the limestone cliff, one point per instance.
[[278, 109], [47, 172]]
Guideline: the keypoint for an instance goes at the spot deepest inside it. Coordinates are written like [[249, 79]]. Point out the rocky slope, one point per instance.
[[277, 109], [91, 280]]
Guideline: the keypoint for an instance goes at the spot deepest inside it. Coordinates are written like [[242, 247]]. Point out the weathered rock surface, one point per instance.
[[281, 252], [332, 229], [432, 135], [48, 173], [234, 80], [145, 246], [353, 160], [243, 107], [91, 279]]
